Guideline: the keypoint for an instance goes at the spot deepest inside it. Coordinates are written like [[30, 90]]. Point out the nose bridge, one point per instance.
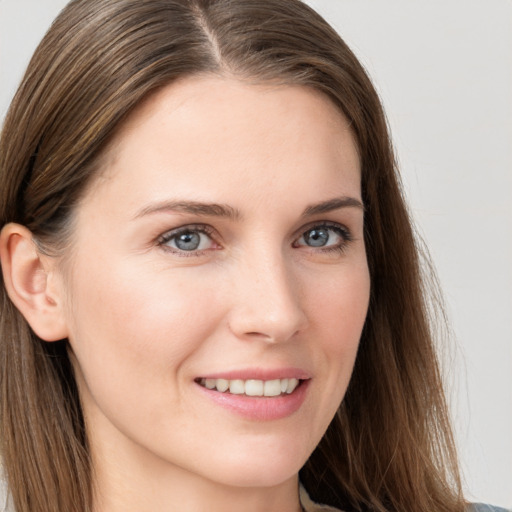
[[267, 297]]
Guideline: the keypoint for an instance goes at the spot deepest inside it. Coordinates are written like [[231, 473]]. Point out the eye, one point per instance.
[[325, 236], [188, 239]]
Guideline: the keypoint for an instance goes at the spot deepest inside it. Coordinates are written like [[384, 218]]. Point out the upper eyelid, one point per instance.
[[323, 223], [202, 228]]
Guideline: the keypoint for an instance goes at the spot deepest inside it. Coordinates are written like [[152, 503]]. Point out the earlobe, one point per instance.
[[28, 277]]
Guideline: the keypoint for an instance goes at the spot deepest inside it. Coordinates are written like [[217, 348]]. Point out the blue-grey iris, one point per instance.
[[316, 237], [188, 241]]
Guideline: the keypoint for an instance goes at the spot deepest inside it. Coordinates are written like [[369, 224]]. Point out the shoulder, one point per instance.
[[310, 506], [483, 507]]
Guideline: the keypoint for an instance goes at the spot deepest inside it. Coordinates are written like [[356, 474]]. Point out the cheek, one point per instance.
[[131, 323], [340, 305], [339, 312], [134, 337], [337, 304]]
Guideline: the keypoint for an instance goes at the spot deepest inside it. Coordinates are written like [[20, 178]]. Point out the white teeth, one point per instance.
[[272, 387], [252, 387], [292, 384], [237, 387], [209, 383], [221, 384]]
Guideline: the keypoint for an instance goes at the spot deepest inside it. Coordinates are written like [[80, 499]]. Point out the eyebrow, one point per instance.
[[226, 211], [333, 204], [193, 207]]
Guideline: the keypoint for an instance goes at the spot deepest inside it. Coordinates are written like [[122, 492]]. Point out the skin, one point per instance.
[[145, 320]]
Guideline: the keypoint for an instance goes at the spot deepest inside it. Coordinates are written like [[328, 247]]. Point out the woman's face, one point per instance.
[[221, 245]]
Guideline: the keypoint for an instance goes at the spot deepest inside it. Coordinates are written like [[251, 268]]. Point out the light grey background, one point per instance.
[[444, 71]]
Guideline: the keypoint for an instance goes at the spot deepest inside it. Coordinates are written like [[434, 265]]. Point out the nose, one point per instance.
[[267, 300]]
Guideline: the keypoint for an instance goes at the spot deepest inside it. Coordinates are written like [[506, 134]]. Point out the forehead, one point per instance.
[[210, 92], [224, 103], [202, 132]]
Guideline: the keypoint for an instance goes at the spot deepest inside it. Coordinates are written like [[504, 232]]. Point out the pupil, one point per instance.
[[317, 237], [188, 241]]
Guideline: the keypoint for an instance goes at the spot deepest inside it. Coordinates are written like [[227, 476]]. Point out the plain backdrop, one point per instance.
[[444, 71]]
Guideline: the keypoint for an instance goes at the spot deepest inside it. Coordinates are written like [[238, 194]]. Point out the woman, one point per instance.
[[211, 287]]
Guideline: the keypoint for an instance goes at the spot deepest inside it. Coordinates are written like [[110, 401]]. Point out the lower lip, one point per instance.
[[260, 408]]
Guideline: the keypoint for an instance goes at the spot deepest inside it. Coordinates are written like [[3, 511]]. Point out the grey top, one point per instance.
[[307, 504], [482, 507]]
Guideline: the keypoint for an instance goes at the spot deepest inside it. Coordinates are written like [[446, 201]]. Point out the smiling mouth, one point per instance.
[[252, 387]]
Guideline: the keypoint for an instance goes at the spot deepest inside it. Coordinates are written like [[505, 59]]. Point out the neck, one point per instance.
[[189, 493], [120, 487]]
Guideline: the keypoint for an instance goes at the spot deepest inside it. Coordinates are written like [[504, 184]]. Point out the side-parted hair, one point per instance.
[[389, 447]]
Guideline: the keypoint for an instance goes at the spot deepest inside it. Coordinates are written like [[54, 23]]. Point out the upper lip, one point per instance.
[[260, 374]]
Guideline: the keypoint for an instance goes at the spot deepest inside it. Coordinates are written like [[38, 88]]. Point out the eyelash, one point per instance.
[[164, 239], [339, 229]]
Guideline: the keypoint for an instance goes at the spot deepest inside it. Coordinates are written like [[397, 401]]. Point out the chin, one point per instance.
[[258, 477], [260, 467]]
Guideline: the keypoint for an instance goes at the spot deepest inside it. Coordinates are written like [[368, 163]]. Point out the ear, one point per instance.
[[31, 282]]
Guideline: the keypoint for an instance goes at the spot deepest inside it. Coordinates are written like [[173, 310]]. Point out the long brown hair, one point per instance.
[[389, 448]]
